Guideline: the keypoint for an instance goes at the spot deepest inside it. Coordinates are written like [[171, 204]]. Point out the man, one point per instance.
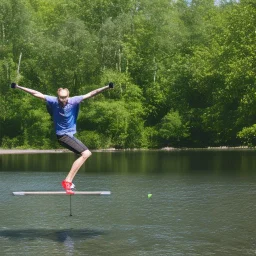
[[64, 112]]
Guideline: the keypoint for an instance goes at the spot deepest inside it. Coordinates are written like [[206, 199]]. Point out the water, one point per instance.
[[203, 203]]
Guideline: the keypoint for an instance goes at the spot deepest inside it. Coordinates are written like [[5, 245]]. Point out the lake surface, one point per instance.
[[203, 203]]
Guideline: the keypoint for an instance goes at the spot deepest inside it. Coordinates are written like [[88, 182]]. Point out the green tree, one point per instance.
[[172, 129]]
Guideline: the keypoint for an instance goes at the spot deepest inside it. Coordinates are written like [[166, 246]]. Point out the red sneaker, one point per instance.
[[68, 187], [70, 192]]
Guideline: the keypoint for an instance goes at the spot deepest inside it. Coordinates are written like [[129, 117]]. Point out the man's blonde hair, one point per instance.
[[63, 89]]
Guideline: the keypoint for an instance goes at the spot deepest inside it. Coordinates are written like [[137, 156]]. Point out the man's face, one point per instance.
[[63, 97]]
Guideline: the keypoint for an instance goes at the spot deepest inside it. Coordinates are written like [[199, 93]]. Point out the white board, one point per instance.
[[31, 193]]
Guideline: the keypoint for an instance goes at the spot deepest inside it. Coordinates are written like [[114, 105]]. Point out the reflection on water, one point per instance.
[[66, 237], [203, 203], [127, 162], [55, 235]]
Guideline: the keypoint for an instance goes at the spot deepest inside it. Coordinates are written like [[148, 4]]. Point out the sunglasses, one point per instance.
[[63, 97]]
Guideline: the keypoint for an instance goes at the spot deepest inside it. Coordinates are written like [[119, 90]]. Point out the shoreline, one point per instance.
[[29, 151], [54, 151]]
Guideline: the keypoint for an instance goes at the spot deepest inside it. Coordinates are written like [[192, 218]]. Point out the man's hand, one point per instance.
[[13, 85], [111, 85]]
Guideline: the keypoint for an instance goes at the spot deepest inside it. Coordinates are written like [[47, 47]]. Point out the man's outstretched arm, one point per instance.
[[97, 91], [30, 91]]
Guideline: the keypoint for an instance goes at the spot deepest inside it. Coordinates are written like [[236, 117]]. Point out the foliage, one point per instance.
[[248, 135], [172, 128], [184, 71]]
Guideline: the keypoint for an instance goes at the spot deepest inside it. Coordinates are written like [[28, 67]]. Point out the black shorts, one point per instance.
[[71, 143]]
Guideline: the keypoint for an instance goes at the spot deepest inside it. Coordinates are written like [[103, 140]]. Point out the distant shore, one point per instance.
[[42, 151], [29, 151]]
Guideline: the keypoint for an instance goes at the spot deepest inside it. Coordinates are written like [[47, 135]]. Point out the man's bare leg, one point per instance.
[[77, 164]]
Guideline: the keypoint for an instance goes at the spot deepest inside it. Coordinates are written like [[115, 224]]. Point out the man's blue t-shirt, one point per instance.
[[64, 118]]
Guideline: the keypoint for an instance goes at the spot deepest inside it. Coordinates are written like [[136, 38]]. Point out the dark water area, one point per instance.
[[208, 162], [203, 203]]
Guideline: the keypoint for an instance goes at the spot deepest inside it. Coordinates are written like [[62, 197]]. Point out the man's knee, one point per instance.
[[86, 154]]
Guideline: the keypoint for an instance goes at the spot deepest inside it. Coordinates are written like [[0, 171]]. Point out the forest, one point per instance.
[[184, 71]]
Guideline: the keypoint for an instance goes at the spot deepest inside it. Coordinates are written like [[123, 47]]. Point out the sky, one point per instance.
[[219, 1]]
